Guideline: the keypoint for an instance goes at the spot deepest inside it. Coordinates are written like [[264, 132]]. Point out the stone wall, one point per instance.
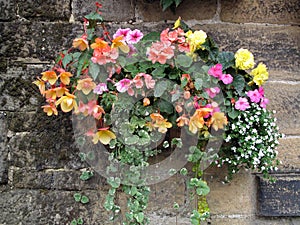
[[39, 164]]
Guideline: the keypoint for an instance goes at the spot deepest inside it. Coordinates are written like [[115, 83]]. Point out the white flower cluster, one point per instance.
[[252, 139]]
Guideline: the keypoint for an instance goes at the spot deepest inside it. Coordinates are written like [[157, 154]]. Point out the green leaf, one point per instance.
[[158, 72], [184, 60], [66, 60], [183, 171], [233, 113], [82, 62], [80, 221], [86, 175], [226, 59], [74, 222], [131, 140], [140, 217], [94, 70], [177, 2], [94, 16], [152, 36], [77, 197], [84, 199], [114, 182], [165, 106], [160, 88], [198, 83], [176, 205], [166, 4], [202, 189], [238, 83]]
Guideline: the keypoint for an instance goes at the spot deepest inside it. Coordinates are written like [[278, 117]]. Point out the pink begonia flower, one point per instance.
[[123, 85], [105, 55], [100, 88], [212, 92], [216, 71], [215, 108], [160, 52], [226, 78], [242, 104], [121, 32], [134, 36], [254, 96], [130, 91], [150, 83], [261, 91], [264, 102], [137, 80]]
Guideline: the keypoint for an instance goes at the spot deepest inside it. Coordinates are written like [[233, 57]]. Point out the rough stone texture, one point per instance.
[[3, 149], [41, 40], [256, 11], [276, 75], [112, 10], [188, 10], [7, 10], [289, 154], [285, 99], [254, 221], [48, 10], [276, 46], [280, 198]]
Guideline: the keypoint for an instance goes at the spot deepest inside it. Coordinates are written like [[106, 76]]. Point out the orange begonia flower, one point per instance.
[[160, 123], [99, 43], [80, 43], [146, 101], [197, 120], [51, 93], [104, 136], [118, 43], [65, 77], [86, 85], [41, 85], [50, 109], [218, 120], [60, 91], [182, 120], [67, 102], [49, 76]]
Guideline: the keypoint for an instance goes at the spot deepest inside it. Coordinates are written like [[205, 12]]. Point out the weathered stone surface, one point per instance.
[[289, 154], [236, 197], [280, 198], [7, 10], [188, 10], [251, 220], [42, 40], [245, 11], [55, 179], [277, 75], [112, 10], [276, 46], [285, 99], [3, 149], [50, 207], [48, 10]]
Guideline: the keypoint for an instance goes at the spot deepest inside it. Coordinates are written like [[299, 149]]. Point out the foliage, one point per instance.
[[139, 88]]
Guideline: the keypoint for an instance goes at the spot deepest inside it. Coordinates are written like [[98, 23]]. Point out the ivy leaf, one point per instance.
[[198, 83], [86, 175], [226, 59], [66, 60], [202, 188], [94, 70], [80, 221], [160, 88], [114, 182], [94, 16], [77, 197], [140, 217], [84, 199], [74, 222], [184, 60], [133, 139], [238, 83]]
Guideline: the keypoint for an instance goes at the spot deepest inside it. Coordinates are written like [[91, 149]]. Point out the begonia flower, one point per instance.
[[216, 71], [242, 104], [80, 43], [100, 88], [244, 59], [49, 76], [254, 96], [65, 77], [123, 85], [67, 102], [86, 85]]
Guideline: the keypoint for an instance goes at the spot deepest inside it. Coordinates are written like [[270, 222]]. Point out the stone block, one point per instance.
[[150, 11], [48, 10], [245, 11], [7, 10], [55, 179], [112, 10], [237, 220], [280, 198], [234, 198], [276, 46], [282, 75], [284, 98], [40, 40], [3, 149], [50, 207], [289, 153]]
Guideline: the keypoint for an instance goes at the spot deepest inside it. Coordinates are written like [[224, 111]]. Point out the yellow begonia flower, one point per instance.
[[196, 39], [177, 23], [99, 43], [160, 123], [81, 43], [118, 43], [86, 85], [41, 86], [260, 74], [197, 120], [104, 136], [244, 59], [60, 91], [218, 120], [51, 93], [49, 76], [65, 77], [67, 102], [50, 109]]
